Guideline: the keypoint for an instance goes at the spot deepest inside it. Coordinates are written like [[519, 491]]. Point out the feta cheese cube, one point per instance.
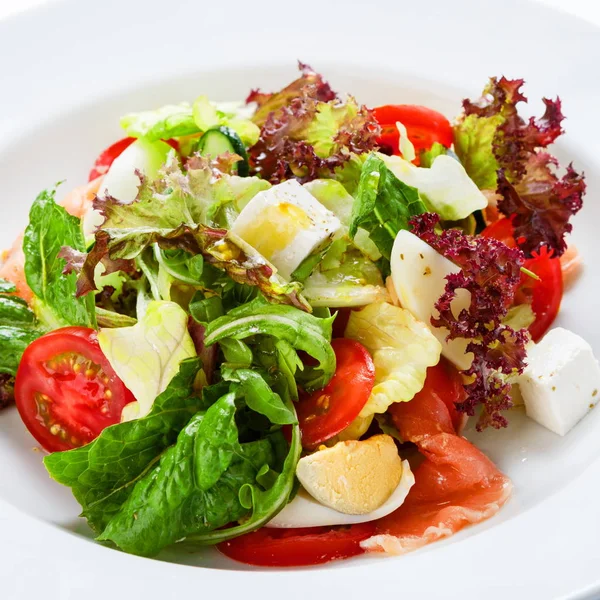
[[285, 224], [561, 382]]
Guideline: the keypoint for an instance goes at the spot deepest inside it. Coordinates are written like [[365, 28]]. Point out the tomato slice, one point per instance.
[[324, 413], [107, 157], [424, 127], [66, 391], [269, 547], [544, 295]]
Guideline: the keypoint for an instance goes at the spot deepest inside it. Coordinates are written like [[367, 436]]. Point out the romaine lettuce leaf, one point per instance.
[[147, 355], [383, 204], [167, 504], [50, 228], [103, 473], [402, 349]]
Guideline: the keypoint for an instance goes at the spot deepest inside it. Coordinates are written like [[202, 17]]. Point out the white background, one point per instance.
[[587, 9]]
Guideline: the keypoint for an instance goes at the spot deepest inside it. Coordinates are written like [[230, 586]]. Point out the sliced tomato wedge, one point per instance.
[[269, 547], [66, 391], [324, 413], [544, 295], [424, 127], [107, 157]]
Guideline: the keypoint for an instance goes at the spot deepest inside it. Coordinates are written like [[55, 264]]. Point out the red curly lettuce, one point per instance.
[[501, 151], [491, 272], [307, 131]]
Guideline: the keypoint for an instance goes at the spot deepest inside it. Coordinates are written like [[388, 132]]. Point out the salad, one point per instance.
[[264, 325]]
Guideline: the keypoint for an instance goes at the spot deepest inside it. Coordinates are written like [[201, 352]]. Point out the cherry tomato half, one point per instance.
[[544, 295], [424, 127], [107, 157], [66, 391], [326, 412], [269, 547]]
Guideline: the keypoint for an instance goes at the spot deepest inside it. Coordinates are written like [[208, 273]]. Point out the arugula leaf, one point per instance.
[[302, 330], [216, 442], [383, 205], [259, 396], [50, 228], [103, 473], [167, 505]]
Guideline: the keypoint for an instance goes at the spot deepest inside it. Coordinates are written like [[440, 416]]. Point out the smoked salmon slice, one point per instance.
[[455, 485], [77, 202]]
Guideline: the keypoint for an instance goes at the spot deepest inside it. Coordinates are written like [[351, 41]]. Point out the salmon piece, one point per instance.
[[571, 265], [455, 486], [77, 203]]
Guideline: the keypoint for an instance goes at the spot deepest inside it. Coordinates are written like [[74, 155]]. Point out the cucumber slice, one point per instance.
[[224, 139]]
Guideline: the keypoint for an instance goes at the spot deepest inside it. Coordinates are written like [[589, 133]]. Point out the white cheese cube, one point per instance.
[[285, 224], [561, 382]]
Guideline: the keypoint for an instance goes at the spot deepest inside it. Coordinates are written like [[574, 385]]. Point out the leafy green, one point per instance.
[[168, 505], [205, 309], [146, 356], [171, 120], [260, 397], [473, 143], [428, 156], [348, 280], [103, 473], [302, 330], [445, 187], [216, 442], [171, 213], [50, 228], [383, 204], [208, 114], [110, 318]]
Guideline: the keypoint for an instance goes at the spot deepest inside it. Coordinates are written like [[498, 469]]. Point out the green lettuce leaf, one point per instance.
[[383, 204], [147, 355], [216, 442], [259, 396], [50, 228], [171, 120], [103, 473], [350, 279], [167, 505], [402, 349], [473, 143], [301, 330], [427, 157], [445, 187], [208, 115]]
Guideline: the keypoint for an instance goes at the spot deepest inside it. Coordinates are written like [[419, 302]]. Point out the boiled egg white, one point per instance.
[[419, 277], [305, 511], [285, 224], [121, 180]]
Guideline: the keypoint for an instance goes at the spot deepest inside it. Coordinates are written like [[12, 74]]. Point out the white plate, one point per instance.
[[69, 70]]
